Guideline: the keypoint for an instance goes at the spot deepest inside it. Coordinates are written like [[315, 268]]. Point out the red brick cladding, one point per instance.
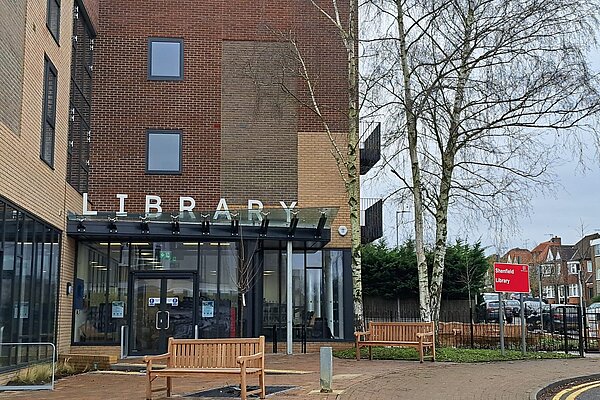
[[126, 104], [91, 8], [258, 133]]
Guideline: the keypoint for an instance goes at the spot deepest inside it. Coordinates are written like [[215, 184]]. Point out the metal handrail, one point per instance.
[[33, 387]]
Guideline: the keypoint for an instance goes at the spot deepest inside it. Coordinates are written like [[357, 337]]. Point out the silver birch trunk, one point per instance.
[[348, 163], [411, 127], [353, 181], [448, 164]]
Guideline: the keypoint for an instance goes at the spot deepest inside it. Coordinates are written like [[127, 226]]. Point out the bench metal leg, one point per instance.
[[370, 352], [421, 353], [169, 386]]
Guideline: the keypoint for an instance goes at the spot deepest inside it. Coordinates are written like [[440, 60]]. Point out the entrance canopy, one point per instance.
[[308, 225]]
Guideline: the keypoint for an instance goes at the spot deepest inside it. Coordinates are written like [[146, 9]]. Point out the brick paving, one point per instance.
[[365, 379]]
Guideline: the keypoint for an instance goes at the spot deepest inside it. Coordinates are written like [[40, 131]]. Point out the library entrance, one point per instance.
[[163, 306]]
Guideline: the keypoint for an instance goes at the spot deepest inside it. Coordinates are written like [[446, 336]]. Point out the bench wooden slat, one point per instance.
[[190, 357], [405, 334]]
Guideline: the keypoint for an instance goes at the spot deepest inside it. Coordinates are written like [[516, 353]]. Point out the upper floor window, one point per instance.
[[53, 18], [165, 59], [597, 250], [49, 113], [548, 292], [573, 268], [590, 268], [547, 269], [163, 154], [574, 290]]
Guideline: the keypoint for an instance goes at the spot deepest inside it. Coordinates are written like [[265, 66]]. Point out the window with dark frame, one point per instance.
[[49, 113], [29, 265], [163, 152], [53, 18], [80, 104], [165, 59]]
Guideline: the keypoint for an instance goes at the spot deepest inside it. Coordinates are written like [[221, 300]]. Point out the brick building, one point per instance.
[[174, 158]]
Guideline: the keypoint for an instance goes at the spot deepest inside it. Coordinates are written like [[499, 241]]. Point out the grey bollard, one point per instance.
[[326, 369]]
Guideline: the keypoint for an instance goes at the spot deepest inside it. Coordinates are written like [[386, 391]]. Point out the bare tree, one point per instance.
[[476, 89], [343, 15], [246, 272]]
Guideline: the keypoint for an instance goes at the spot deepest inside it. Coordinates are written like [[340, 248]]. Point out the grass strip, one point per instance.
[[450, 354]]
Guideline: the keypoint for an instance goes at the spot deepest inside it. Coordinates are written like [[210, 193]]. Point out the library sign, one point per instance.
[[511, 278]]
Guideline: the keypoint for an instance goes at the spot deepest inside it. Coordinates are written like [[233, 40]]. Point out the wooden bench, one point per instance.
[[192, 357], [401, 334]]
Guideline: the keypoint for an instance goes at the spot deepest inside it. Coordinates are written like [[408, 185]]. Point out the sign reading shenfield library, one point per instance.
[[511, 278]]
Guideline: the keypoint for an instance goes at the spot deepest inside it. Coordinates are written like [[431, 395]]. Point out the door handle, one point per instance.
[[157, 320], [168, 320]]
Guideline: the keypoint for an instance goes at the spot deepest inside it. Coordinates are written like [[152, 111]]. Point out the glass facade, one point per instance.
[[29, 266], [189, 288], [317, 293]]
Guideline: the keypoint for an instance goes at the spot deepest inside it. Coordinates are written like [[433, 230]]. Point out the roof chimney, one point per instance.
[[555, 239]]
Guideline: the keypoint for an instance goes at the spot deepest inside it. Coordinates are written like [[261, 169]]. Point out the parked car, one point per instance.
[[557, 317], [489, 296], [515, 306], [488, 311]]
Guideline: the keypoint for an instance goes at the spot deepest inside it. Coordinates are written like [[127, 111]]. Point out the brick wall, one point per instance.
[[24, 178], [126, 104], [259, 140], [228, 148], [320, 183], [91, 9], [12, 34]]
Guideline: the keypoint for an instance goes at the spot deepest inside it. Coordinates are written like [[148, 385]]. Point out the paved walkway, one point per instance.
[[377, 380]]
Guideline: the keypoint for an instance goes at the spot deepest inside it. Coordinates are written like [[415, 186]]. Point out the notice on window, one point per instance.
[[208, 309], [173, 301], [21, 310], [153, 301], [118, 309]]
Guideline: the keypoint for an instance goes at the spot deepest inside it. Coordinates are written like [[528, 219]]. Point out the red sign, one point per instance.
[[511, 278]]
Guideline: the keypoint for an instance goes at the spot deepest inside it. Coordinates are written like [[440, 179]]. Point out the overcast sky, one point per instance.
[[575, 202], [573, 206]]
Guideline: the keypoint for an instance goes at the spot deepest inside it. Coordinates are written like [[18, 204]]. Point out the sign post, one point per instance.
[[511, 278]]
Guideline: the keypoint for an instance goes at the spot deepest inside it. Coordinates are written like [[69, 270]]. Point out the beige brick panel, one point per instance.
[[319, 181], [24, 178]]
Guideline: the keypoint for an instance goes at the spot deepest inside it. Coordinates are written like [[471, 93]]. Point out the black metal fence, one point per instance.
[[555, 328]]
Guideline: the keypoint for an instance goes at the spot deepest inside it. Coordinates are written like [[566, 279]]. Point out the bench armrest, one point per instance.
[[359, 334], [149, 359], [424, 334], [243, 359]]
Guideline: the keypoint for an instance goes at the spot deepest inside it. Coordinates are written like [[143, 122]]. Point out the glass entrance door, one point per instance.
[[163, 307]]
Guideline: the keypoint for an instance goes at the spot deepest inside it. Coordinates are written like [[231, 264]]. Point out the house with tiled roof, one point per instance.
[[595, 244], [519, 256], [559, 284], [582, 267]]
